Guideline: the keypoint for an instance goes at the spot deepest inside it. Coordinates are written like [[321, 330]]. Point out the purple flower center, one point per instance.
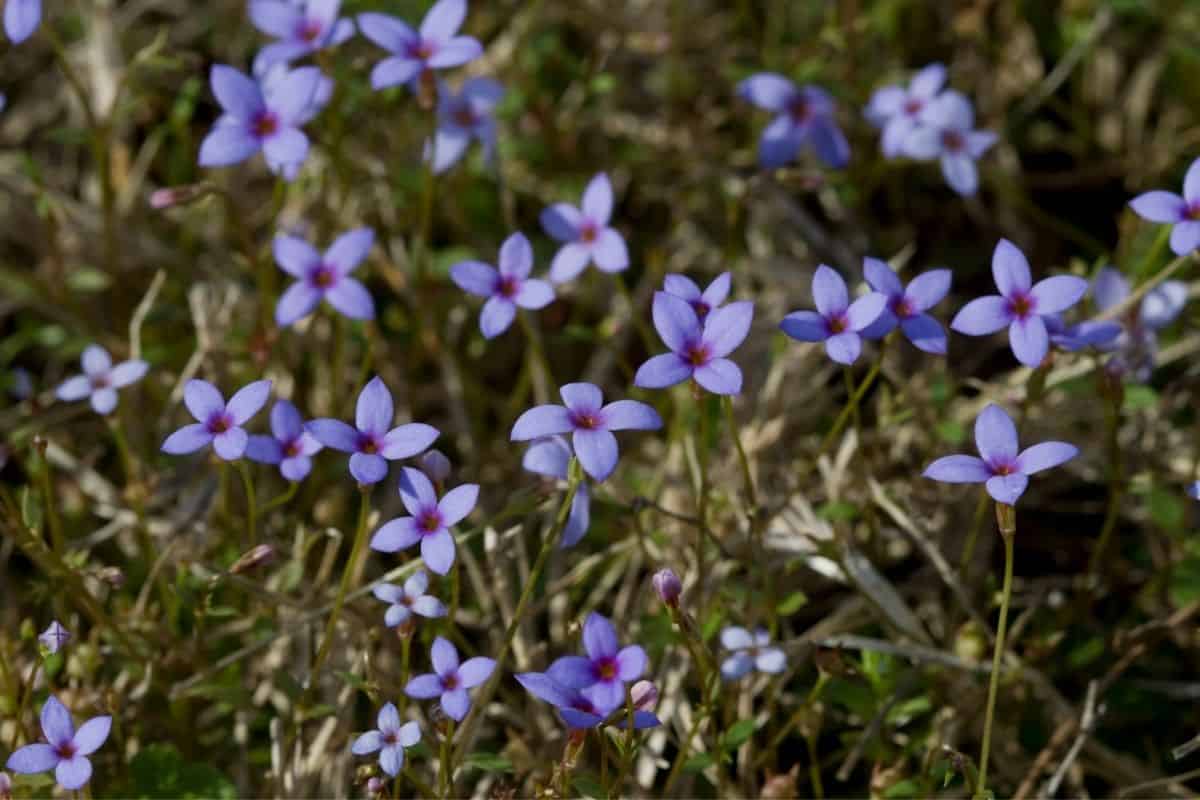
[[464, 116], [430, 520], [369, 444], [322, 277], [1191, 211], [309, 30], [450, 682], [838, 323], [913, 105], [588, 232], [219, 423], [507, 286], [587, 420], [66, 750], [697, 354], [606, 669], [99, 381], [264, 124], [701, 308], [799, 110], [902, 307], [421, 50], [291, 449], [584, 705], [1021, 305], [1003, 468], [953, 141], [389, 737]]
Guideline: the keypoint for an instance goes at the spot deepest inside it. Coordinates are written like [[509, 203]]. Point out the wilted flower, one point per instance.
[[390, 738], [372, 443], [21, 19], [450, 680], [289, 446], [750, 651], [552, 457], [1020, 306], [698, 349], [601, 675], [1004, 471], [465, 116], [897, 110], [66, 750], [218, 423], [1181, 212], [324, 276], [585, 232], [301, 27], [837, 321], [54, 637], [101, 379], [430, 522], [408, 600], [947, 133], [711, 298], [505, 286], [906, 305], [589, 423], [804, 115], [434, 46]]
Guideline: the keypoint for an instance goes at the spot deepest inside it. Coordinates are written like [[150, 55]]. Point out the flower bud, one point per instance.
[[644, 695], [54, 637], [435, 464], [376, 786], [5, 786], [668, 586], [255, 557], [177, 195]]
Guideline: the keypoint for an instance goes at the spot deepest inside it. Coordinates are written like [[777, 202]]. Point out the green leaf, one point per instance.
[[1139, 398], [736, 735], [159, 771], [489, 762], [838, 512], [792, 603], [951, 432], [699, 763], [586, 784], [87, 279]]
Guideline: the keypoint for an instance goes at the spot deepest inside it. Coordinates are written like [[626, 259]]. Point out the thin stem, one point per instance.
[[428, 184], [405, 650], [848, 376], [747, 475], [973, 535], [539, 365], [360, 539], [1007, 518], [251, 508], [851, 406], [444, 781], [17, 729], [1116, 486], [52, 519], [1155, 251], [702, 491], [293, 487]]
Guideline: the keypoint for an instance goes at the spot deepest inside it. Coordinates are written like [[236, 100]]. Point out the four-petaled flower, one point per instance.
[[506, 286], [576, 709], [372, 441], [465, 116], [450, 680], [1172, 209], [897, 110], [217, 422], [404, 601], [601, 675], [837, 321], [710, 299], [804, 115], [390, 738], [698, 349], [256, 119], [1020, 306], [750, 651], [1137, 339], [101, 379], [301, 28], [552, 457], [1003, 469], [67, 749], [430, 522], [54, 637], [585, 232], [947, 133], [324, 277], [289, 446], [906, 306], [21, 19], [590, 424], [434, 46]]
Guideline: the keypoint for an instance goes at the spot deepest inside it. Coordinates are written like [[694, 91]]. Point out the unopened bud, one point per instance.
[[1006, 518], [54, 637], [5, 786], [177, 195], [255, 557], [644, 695], [668, 586], [376, 786], [435, 464]]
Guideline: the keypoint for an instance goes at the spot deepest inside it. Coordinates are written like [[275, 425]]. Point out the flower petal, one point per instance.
[[449, 146], [1010, 269], [1162, 304], [805, 326], [736, 638], [437, 551], [368, 743], [578, 519], [476, 277], [444, 656], [443, 20], [928, 81], [202, 399], [475, 671], [1191, 183], [596, 451], [771, 660], [456, 703], [631, 663], [393, 71], [844, 348], [285, 151], [534, 294], [92, 734], [780, 142], [982, 316], [1185, 237], [368, 467], [73, 773], [1007, 489], [865, 310], [1159, 206], [187, 439], [391, 759], [395, 535], [334, 433], [545, 688], [958, 469], [572, 672], [497, 315], [549, 457], [75, 388], [32, 758], [424, 687], [720, 376], [562, 221], [726, 327], [455, 52], [737, 666], [248, 400], [960, 172], [231, 444], [127, 372], [238, 94], [264, 450], [408, 440], [662, 371], [56, 722], [21, 19], [1045, 456], [373, 411], [349, 249], [410, 734], [457, 503], [95, 360], [104, 401], [516, 256], [229, 142], [631, 415], [429, 606], [1030, 340], [767, 90], [275, 17], [718, 290], [540, 421], [386, 31], [881, 278], [296, 303], [416, 491], [599, 637], [926, 333], [582, 397], [995, 435], [682, 287], [928, 289], [829, 291], [609, 251], [294, 255], [1058, 293], [828, 142], [675, 320], [351, 298], [598, 200], [569, 261]]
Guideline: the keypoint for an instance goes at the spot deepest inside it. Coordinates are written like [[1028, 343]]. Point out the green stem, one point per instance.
[[1116, 486], [539, 365], [702, 494], [848, 375], [405, 650], [293, 487], [444, 782], [973, 535], [852, 402], [53, 522], [747, 475], [24, 702], [251, 508], [1155, 252], [360, 539], [1007, 518]]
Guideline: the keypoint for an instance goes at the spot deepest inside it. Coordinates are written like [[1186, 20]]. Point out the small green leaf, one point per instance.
[[87, 279], [792, 603], [951, 432], [736, 735], [587, 785], [1139, 398], [489, 762], [698, 763], [838, 512]]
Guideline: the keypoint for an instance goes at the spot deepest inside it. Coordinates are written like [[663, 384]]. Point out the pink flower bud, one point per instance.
[[667, 584], [255, 557], [644, 695]]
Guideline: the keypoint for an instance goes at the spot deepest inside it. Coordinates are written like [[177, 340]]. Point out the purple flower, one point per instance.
[[289, 445], [101, 379], [586, 233], [711, 298], [67, 750], [589, 424], [408, 600], [217, 423], [837, 321], [275, 81], [1021, 305], [1182, 212], [434, 46], [371, 442], [947, 133], [54, 637], [505, 288], [256, 119], [301, 27], [324, 277], [1004, 471], [390, 739], [463, 117], [897, 110], [668, 586], [1070, 337], [21, 19], [1137, 342], [906, 306], [552, 457], [750, 651], [1193, 490], [697, 350], [576, 709], [450, 680], [804, 115], [430, 522], [601, 675]]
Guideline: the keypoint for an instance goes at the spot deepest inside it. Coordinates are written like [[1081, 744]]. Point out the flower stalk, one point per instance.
[[1006, 518]]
